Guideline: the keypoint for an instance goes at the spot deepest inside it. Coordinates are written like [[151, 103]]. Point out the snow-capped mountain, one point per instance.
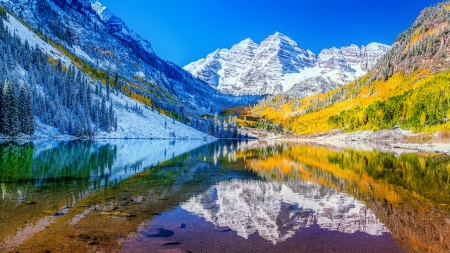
[[279, 65], [276, 212]]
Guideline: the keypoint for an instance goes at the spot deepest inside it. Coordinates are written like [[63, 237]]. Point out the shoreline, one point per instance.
[[394, 140]]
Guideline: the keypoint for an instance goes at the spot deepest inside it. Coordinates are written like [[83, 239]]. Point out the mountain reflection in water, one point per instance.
[[276, 212], [147, 195]]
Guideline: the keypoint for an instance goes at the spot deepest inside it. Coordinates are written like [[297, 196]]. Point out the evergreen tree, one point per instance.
[[116, 79], [25, 111], [6, 110], [58, 95], [111, 120], [108, 89], [14, 122], [2, 109]]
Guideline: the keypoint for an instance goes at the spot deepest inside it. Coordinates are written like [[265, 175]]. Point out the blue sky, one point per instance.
[[183, 31]]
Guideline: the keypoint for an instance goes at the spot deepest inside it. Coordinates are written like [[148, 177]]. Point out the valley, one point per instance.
[[283, 87], [262, 145]]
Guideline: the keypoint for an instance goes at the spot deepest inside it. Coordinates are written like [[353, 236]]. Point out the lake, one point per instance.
[[223, 196]]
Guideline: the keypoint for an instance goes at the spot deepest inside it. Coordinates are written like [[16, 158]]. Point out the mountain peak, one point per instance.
[[281, 37], [116, 26], [376, 45], [102, 11], [278, 35], [247, 43], [279, 63]]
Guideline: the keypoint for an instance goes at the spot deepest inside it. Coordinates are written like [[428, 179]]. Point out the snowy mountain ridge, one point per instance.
[[279, 65]]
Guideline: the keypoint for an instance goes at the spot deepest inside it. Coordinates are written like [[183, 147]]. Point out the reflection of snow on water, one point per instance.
[[276, 212]]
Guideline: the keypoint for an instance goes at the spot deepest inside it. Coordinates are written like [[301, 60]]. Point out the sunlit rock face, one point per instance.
[[276, 212], [279, 65]]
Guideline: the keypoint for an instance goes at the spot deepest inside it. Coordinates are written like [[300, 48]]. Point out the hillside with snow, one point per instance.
[[279, 65], [143, 95], [146, 124]]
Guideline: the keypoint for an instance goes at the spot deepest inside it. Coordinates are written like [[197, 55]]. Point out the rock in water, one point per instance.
[[161, 233]]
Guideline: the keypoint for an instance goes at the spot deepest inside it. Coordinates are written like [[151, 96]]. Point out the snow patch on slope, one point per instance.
[[150, 124], [79, 52], [15, 27]]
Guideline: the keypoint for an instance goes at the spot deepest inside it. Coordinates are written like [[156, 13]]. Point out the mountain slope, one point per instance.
[[132, 120], [94, 34], [408, 87], [424, 45], [279, 65], [88, 37]]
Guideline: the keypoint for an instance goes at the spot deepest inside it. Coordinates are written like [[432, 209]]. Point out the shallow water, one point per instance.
[[195, 196]]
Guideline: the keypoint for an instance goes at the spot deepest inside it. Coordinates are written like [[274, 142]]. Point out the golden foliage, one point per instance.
[[418, 35], [302, 158], [311, 114], [141, 98], [370, 174]]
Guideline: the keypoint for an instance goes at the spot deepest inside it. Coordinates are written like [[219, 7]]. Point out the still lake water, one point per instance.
[[195, 196]]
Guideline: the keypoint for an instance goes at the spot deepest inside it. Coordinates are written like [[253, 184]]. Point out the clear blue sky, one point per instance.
[[183, 31]]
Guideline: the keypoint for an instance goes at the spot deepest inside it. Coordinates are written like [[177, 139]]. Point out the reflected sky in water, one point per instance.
[[147, 195]]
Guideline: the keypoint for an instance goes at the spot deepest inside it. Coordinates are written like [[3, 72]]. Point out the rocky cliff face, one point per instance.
[[350, 59], [279, 65]]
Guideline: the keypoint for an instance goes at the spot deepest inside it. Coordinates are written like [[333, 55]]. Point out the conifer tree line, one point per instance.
[[16, 114], [217, 126], [36, 88]]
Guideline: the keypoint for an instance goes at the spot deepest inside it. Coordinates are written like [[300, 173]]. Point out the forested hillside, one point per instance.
[[409, 87], [50, 77], [34, 85]]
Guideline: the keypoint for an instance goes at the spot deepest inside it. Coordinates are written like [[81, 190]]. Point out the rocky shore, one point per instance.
[[396, 140]]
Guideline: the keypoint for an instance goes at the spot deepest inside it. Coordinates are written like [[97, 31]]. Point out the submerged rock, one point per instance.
[[171, 243], [161, 233]]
